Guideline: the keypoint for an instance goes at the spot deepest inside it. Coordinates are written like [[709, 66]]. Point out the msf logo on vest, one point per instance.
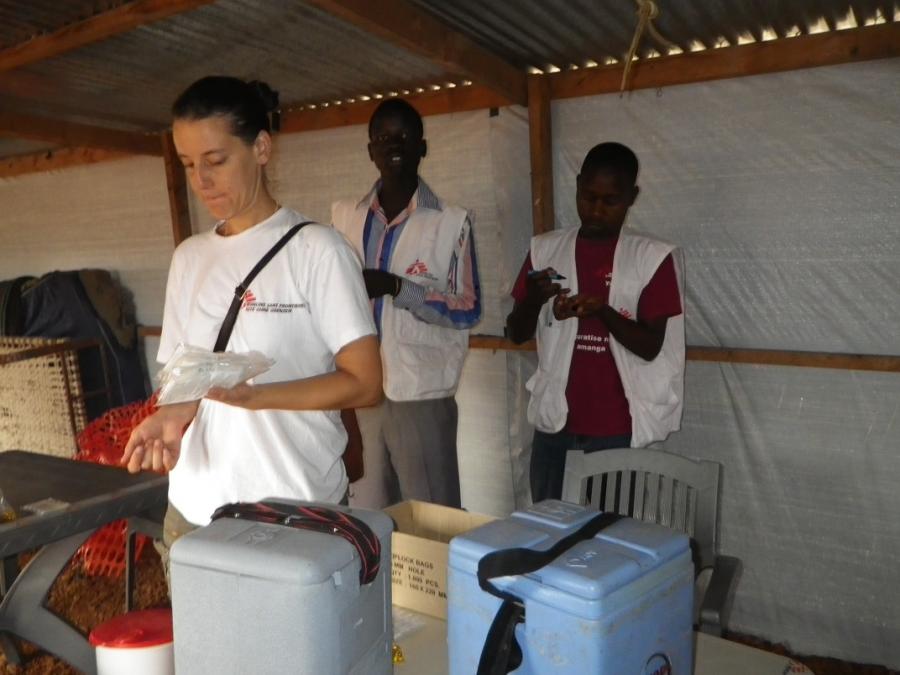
[[658, 664], [419, 269]]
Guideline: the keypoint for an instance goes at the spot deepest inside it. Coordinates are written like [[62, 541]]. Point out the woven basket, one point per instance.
[[41, 399]]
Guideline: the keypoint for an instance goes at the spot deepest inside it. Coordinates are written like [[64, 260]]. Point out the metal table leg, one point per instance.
[[10, 650], [22, 610], [9, 570], [137, 525]]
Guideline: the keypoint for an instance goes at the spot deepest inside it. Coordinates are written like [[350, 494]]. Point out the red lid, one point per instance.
[[148, 628]]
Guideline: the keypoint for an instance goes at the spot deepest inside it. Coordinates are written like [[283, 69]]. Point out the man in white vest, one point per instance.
[[611, 343], [420, 272]]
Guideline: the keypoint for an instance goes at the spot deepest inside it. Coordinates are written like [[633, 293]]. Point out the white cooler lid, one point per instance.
[[275, 552]]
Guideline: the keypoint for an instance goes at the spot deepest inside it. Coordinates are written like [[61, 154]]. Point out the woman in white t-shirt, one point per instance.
[[280, 436]]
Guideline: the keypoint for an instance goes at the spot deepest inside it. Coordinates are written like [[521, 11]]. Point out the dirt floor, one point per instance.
[[87, 601]]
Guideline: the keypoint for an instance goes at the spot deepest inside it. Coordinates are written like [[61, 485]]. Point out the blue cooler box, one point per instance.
[[618, 603]]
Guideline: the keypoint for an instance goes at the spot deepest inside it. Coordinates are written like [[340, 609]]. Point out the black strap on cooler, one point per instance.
[[231, 316], [501, 653], [317, 519]]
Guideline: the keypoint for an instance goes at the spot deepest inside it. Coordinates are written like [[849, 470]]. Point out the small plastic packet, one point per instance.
[[48, 505], [193, 371]]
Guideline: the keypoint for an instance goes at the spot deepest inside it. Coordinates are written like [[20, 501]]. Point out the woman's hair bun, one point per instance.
[[267, 95]]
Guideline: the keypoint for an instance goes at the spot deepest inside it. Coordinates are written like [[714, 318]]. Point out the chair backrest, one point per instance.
[[42, 406], [650, 485]]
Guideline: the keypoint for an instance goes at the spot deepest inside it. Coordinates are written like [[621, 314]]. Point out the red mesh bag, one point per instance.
[[102, 442]]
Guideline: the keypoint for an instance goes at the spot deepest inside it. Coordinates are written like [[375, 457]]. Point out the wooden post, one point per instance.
[[177, 185], [541, 143]]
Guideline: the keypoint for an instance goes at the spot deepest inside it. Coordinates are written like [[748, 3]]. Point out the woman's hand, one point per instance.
[[156, 442]]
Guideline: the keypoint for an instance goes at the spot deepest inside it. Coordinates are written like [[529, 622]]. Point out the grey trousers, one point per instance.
[[409, 451]]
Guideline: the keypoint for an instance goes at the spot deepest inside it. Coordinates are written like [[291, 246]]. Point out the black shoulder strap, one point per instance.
[[501, 653], [231, 317]]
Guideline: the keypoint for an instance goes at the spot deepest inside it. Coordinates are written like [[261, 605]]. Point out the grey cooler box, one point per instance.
[[267, 599]]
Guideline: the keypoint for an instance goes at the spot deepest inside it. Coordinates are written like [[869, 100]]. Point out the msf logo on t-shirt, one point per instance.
[[251, 304], [249, 299]]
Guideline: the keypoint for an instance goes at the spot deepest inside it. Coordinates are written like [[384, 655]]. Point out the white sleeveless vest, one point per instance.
[[421, 360], [654, 389]]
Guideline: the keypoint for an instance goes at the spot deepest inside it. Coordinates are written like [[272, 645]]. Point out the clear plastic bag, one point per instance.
[[193, 371]]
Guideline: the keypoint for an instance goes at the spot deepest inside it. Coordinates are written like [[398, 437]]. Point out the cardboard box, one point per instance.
[[419, 548]]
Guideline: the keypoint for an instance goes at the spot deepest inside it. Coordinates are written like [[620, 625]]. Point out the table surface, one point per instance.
[[96, 495], [423, 640]]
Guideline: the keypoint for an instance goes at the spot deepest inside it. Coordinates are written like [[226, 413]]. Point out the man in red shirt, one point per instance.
[[598, 412]]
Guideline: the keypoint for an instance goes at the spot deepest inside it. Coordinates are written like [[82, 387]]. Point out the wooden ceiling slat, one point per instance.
[[54, 160], [99, 27], [766, 357], [78, 135], [401, 23], [446, 100]]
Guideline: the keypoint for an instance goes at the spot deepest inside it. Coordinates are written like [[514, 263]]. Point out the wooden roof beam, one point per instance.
[[70, 134], [807, 51], [403, 24], [95, 29]]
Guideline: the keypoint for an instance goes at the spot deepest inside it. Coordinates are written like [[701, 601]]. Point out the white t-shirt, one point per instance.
[[301, 309]]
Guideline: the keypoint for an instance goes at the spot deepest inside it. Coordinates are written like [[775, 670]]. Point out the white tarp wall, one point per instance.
[[113, 215], [782, 189]]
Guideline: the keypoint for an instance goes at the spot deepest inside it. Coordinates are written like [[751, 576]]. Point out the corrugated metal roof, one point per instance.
[[129, 80], [546, 34], [306, 54]]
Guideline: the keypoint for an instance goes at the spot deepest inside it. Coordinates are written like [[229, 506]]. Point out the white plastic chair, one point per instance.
[[671, 490]]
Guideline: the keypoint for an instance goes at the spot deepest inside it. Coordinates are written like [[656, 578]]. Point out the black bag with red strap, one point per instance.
[[317, 519]]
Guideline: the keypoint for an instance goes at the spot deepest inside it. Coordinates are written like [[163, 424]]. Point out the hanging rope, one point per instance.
[[647, 11]]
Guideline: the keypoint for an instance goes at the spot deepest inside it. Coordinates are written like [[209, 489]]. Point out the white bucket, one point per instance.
[[138, 643], [158, 660]]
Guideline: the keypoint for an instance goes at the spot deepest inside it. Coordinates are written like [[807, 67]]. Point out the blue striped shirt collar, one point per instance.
[[424, 197]]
